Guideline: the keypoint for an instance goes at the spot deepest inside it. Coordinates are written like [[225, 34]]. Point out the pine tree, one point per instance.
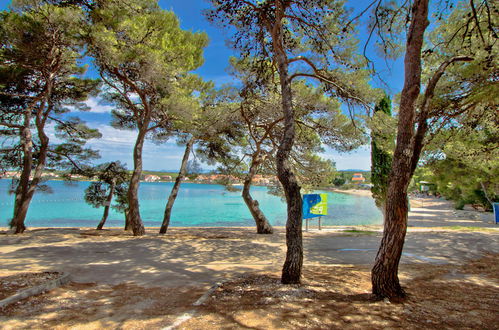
[[381, 159], [40, 82]]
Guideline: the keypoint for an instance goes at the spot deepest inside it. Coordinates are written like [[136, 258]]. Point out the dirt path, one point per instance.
[[147, 282], [208, 255]]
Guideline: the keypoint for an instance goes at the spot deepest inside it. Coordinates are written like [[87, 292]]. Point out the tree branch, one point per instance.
[[423, 115]]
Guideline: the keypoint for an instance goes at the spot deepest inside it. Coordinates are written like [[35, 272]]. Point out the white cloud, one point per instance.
[[96, 106], [118, 145]]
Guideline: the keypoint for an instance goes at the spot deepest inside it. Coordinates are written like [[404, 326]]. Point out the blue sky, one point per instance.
[[117, 144]]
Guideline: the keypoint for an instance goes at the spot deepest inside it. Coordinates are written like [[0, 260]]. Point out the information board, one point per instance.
[[314, 205]]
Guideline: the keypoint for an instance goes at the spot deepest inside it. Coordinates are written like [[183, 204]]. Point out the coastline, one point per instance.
[[426, 214], [118, 277], [356, 192]]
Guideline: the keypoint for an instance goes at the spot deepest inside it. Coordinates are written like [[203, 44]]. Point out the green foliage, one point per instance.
[[382, 134], [321, 39], [210, 121], [319, 121], [143, 55], [464, 155], [339, 181], [107, 174], [193, 169], [121, 199], [40, 82]]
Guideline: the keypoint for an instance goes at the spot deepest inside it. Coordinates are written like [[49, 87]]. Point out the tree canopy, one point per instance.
[[41, 81], [143, 57]]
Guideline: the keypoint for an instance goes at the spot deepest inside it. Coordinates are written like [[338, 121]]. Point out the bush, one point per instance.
[[339, 181], [459, 204]]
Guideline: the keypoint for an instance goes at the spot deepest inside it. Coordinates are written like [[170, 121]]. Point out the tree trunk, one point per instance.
[[21, 202], [133, 190], [291, 270], [127, 220], [176, 187], [109, 199], [26, 188], [262, 224], [20, 212], [384, 275]]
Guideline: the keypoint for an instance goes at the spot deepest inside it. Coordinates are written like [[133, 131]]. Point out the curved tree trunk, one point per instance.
[[384, 275], [176, 187], [133, 190], [21, 202], [26, 188], [384, 278], [109, 199], [291, 270], [262, 224]]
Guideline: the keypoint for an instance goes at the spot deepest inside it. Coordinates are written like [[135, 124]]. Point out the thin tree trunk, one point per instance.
[[291, 270], [262, 224], [21, 202], [109, 199], [27, 187], [127, 220], [384, 275], [486, 195], [176, 187], [133, 190]]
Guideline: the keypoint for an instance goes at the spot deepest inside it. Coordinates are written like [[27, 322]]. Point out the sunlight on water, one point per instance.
[[200, 205]]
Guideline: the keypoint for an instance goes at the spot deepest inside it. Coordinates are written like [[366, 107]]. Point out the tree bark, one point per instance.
[[27, 187], [127, 221], [262, 224], [109, 199], [21, 202], [133, 190], [291, 270], [384, 275], [176, 187]]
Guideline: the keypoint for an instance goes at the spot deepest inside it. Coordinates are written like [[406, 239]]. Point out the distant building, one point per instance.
[[358, 178], [151, 178]]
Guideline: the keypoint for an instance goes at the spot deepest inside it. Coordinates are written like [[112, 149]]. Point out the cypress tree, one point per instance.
[[381, 160]]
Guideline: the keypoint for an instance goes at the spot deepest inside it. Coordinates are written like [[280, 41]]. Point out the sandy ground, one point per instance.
[[357, 192], [148, 282]]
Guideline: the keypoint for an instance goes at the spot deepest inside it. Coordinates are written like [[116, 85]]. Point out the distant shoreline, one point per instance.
[[356, 192]]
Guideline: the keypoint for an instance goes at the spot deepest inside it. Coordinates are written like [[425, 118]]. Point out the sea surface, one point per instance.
[[197, 205]]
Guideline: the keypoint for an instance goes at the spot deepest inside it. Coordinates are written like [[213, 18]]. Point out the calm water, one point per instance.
[[196, 205]]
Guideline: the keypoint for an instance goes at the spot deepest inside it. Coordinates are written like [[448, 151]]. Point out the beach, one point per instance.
[[356, 192], [121, 278]]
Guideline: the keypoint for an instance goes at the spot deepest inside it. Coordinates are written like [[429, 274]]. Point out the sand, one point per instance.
[[357, 192], [147, 282]]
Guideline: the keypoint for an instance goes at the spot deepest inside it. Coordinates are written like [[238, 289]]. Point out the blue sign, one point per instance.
[[314, 205], [496, 211]]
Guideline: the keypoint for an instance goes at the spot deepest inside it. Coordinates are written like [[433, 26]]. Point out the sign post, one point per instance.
[[314, 205], [495, 206]]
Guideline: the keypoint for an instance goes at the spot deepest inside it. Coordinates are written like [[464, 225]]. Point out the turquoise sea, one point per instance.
[[197, 205]]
